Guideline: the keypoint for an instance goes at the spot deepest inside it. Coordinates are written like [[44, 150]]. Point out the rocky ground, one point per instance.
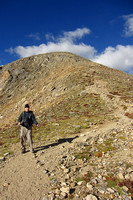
[[95, 164], [85, 111]]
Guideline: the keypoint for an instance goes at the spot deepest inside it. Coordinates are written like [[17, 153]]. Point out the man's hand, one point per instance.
[[38, 125], [19, 123]]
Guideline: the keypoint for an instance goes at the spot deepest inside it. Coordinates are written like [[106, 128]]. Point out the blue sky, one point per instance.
[[99, 30]]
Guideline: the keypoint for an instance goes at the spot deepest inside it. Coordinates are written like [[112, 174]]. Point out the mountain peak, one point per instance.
[[45, 80]]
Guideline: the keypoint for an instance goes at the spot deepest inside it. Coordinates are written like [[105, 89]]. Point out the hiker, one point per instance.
[[26, 120]]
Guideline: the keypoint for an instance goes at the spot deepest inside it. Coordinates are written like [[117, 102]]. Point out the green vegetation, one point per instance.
[[111, 182], [117, 184], [79, 179], [106, 146], [65, 118], [86, 177], [86, 153]]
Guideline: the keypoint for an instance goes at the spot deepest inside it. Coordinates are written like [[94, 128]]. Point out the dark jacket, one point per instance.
[[27, 119]]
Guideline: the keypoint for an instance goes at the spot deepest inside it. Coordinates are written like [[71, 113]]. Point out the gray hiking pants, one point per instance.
[[26, 134]]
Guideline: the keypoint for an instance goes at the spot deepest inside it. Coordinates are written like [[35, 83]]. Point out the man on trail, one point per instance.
[[26, 120]]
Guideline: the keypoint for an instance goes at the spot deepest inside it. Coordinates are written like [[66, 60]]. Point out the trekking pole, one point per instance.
[[18, 134], [39, 137], [9, 135]]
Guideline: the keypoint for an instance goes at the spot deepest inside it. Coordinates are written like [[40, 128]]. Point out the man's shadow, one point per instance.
[[60, 141]]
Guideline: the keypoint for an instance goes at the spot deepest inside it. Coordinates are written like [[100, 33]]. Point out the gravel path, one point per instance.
[[28, 177]]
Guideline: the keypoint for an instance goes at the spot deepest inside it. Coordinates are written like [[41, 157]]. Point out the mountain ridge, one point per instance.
[[54, 74]]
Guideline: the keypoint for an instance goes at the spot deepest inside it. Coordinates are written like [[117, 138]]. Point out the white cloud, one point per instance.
[[64, 42], [34, 36], [70, 36], [49, 36], [77, 34], [120, 57], [10, 50], [128, 30], [80, 49]]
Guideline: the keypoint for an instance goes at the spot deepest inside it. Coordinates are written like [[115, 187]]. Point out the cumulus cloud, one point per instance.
[[70, 36], [77, 34], [80, 49], [119, 57], [128, 30], [65, 42]]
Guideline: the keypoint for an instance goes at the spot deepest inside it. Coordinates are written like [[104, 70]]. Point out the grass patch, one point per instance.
[[128, 183], [79, 179], [111, 181], [124, 107], [128, 165], [105, 147], [121, 138], [71, 114], [83, 155], [86, 177]]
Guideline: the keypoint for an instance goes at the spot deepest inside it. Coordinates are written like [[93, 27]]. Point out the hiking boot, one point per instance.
[[32, 151], [23, 151]]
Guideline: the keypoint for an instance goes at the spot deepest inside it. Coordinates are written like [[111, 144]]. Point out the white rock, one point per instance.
[[6, 154], [80, 182], [84, 140], [82, 135], [125, 189], [63, 184], [52, 196], [57, 191], [89, 186], [1, 116], [56, 124], [5, 184], [88, 133], [67, 176], [63, 167], [110, 190], [100, 176], [127, 176], [129, 170], [63, 194], [120, 176], [131, 176], [100, 140], [45, 198], [65, 190], [101, 191], [66, 171], [91, 197], [2, 158]]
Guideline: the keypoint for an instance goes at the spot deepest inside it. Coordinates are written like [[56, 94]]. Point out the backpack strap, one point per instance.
[[22, 117]]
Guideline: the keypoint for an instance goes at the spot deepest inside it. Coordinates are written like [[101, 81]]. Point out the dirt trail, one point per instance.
[[24, 177]]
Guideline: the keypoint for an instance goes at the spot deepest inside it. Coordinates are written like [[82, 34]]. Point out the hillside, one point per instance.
[[66, 92], [85, 112], [49, 79]]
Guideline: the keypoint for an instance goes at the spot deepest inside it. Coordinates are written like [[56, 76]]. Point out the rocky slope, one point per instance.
[[95, 164], [48, 79], [85, 111]]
